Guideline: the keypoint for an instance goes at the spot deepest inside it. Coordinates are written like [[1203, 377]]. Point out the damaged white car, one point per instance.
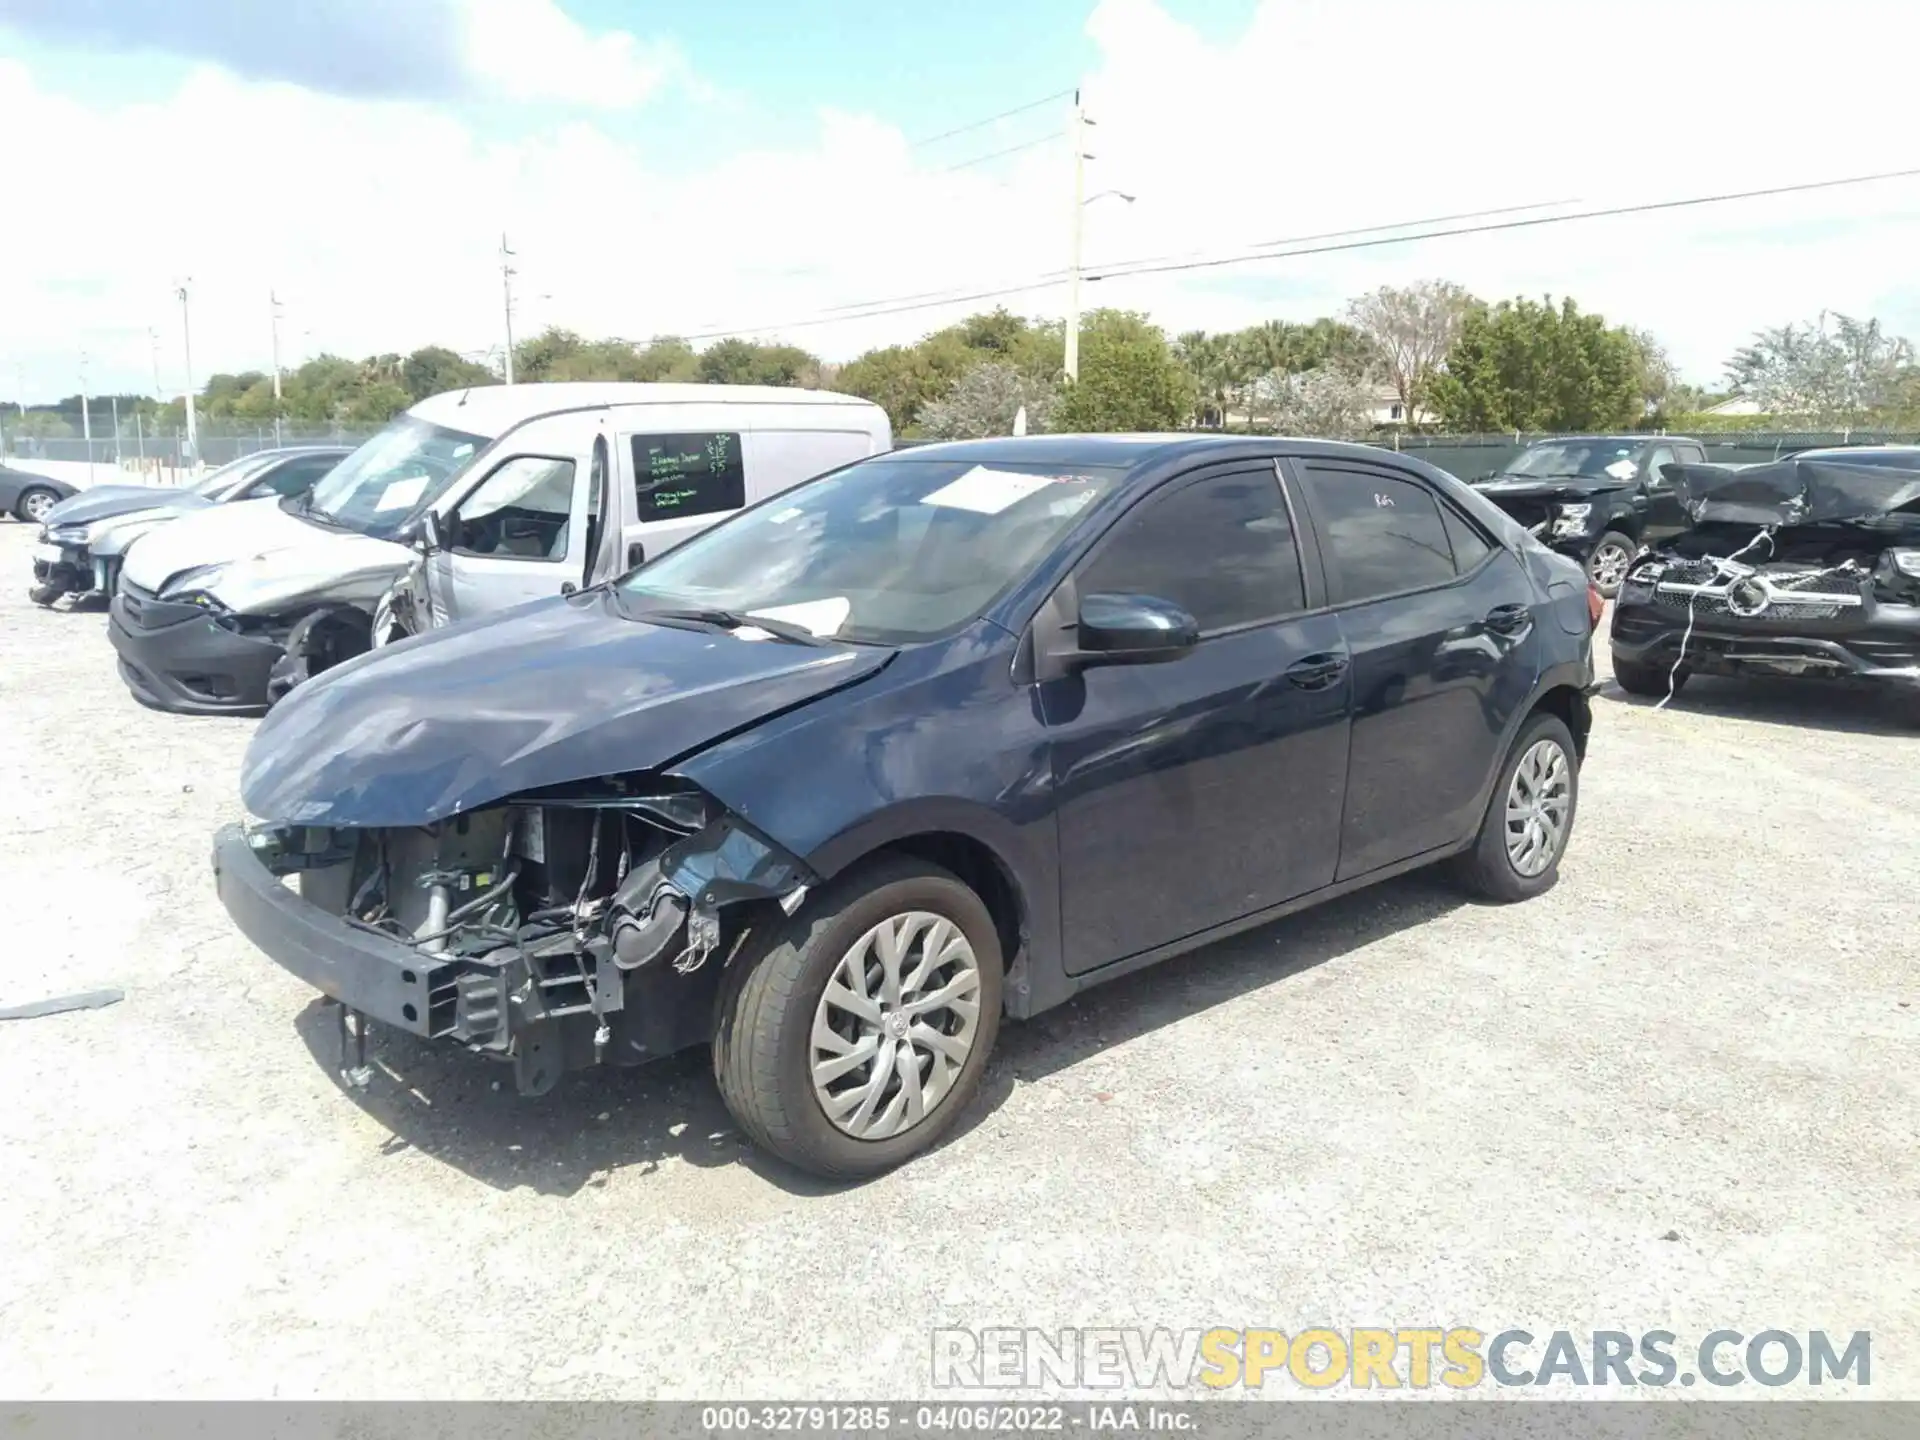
[[471, 502]]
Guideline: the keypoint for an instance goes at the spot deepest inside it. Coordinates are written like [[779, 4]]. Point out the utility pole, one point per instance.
[[273, 303], [186, 340], [86, 416], [114, 401], [1077, 138], [506, 284]]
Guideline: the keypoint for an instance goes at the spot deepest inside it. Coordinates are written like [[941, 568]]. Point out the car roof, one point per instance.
[[1135, 452], [1853, 452], [1608, 439], [492, 410]]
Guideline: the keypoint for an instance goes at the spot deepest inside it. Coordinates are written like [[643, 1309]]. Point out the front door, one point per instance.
[[1441, 624], [526, 529], [1195, 792], [1665, 516]]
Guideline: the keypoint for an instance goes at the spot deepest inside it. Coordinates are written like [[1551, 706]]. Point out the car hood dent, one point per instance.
[[547, 693], [272, 558], [104, 502]]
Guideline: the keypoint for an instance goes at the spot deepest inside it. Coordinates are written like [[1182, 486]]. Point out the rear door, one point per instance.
[[1198, 791], [1441, 625], [521, 531]]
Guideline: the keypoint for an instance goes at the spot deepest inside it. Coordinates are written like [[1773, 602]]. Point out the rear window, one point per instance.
[[702, 473]]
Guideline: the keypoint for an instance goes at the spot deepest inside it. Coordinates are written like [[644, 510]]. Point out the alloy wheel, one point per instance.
[[895, 1025], [37, 504], [1539, 804], [1609, 566]]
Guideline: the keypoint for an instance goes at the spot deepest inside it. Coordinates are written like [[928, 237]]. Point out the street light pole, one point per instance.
[[186, 341], [506, 286], [1076, 137], [273, 303]]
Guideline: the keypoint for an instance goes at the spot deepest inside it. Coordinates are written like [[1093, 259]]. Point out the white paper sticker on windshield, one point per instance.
[[822, 617], [1623, 469], [402, 493], [987, 492]]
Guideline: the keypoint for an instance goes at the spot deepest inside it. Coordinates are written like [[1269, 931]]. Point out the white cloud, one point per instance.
[[513, 50], [532, 50], [1321, 116]]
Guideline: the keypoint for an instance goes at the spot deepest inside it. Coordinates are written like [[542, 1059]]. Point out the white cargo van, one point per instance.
[[471, 501]]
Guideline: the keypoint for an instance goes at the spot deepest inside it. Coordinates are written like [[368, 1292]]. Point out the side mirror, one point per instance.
[[1133, 630], [422, 533]]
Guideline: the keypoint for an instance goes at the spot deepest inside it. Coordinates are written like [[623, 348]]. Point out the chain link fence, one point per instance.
[[162, 454]]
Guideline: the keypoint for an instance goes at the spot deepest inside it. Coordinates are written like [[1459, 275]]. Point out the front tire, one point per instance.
[[1607, 565], [1529, 820], [855, 1034], [45, 595], [1637, 677], [34, 503]]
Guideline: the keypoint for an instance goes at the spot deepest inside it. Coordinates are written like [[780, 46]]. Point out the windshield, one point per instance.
[[231, 473], [1586, 459], [396, 472], [890, 551]]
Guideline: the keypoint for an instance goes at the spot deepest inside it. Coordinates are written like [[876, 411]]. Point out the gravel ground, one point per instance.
[[1679, 1092]]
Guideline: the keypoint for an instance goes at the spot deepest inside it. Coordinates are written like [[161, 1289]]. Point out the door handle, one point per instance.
[[1508, 619], [568, 587], [1317, 672]]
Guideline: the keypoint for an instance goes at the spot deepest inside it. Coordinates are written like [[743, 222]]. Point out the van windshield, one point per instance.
[[888, 551], [405, 466]]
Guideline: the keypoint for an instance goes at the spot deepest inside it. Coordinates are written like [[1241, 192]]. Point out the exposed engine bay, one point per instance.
[[572, 921], [1803, 572]]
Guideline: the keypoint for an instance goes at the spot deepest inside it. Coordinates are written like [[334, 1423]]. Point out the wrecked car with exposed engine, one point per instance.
[[1808, 567], [945, 733], [85, 540], [1595, 498]]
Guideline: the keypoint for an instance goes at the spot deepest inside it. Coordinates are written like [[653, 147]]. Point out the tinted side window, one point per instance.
[[676, 475], [296, 476], [1383, 536], [1221, 548], [1470, 547]]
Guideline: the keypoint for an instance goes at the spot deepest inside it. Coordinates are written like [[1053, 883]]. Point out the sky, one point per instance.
[[749, 166]]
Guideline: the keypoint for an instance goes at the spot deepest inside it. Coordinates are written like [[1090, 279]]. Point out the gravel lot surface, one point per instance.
[[1681, 1091]]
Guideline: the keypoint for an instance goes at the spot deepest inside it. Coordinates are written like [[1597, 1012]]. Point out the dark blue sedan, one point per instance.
[[948, 734]]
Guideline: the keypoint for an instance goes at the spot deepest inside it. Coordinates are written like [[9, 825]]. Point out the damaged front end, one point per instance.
[[564, 928]]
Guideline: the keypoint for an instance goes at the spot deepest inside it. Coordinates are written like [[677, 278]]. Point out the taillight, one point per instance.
[[1596, 606]]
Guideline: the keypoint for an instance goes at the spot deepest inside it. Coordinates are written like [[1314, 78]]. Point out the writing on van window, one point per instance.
[[678, 475]]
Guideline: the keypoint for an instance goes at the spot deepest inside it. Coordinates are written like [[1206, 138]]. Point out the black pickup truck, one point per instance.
[[1596, 498]]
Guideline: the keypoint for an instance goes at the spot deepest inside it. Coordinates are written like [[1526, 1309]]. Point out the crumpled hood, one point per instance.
[[272, 557], [1802, 492], [554, 691], [104, 501]]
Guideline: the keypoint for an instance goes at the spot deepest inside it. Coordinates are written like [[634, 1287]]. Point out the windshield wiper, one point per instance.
[[736, 620]]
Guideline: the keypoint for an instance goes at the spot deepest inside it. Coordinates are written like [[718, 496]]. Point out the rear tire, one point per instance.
[[34, 503], [44, 595], [1505, 864], [1608, 564], [1637, 677], [768, 1045]]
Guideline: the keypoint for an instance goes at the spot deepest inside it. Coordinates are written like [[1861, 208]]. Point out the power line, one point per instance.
[[1126, 268], [991, 119], [996, 154], [1123, 269]]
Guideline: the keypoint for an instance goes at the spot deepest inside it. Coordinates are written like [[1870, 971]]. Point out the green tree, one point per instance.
[[434, 370], [1526, 365], [1130, 379]]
